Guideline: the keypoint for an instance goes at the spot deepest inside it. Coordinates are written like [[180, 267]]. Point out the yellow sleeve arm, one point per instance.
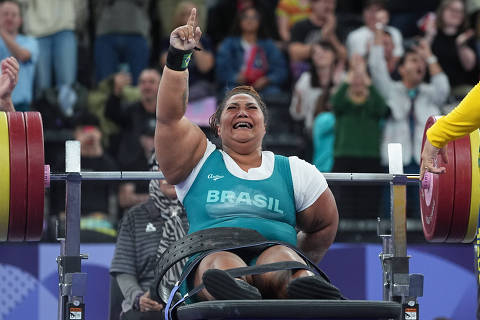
[[462, 120]]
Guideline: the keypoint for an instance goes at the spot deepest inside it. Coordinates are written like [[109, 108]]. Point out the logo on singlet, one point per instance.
[[214, 177], [244, 198]]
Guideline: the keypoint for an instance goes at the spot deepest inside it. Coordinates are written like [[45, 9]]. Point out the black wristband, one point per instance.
[[178, 59]]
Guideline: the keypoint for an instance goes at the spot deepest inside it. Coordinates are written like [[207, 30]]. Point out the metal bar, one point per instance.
[[360, 178]]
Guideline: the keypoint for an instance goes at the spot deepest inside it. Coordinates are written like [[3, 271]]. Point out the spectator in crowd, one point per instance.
[[119, 45], [360, 40], [388, 52], [98, 209], [311, 94], [119, 84], [323, 135], [202, 61], [219, 21], [320, 25], [406, 15], [23, 48], [411, 100], [137, 123], [8, 80], [473, 14], [288, 13], [250, 57], [358, 107], [145, 233], [454, 45], [53, 24]]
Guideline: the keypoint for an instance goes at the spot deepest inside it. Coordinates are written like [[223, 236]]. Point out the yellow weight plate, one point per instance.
[[475, 202], [4, 177]]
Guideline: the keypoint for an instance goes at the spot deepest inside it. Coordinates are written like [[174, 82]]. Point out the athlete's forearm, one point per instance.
[[460, 121], [316, 244]]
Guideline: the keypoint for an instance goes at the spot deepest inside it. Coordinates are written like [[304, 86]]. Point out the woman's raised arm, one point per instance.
[[179, 144]]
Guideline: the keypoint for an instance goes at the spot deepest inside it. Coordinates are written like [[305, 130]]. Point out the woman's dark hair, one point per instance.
[[315, 80], [322, 103], [214, 120], [237, 30]]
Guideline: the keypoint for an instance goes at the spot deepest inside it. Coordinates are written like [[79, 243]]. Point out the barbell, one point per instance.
[[449, 202]]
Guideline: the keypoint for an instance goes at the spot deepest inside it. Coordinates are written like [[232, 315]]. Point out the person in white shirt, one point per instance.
[[361, 39]]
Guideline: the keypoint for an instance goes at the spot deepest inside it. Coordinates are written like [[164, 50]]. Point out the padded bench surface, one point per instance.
[[290, 309]]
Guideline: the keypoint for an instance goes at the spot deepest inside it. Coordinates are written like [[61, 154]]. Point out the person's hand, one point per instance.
[[260, 83], [423, 49], [146, 304], [186, 37], [9, 77], [429, 157], [328, 29], [462, 38], [120, 80], [430, 26]]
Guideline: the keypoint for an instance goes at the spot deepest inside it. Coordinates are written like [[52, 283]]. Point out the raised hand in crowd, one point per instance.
[[120, 81], [463, 37], [8, 80], [423, 49], [328, 29]]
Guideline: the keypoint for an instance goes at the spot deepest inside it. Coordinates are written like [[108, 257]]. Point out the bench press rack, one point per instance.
[[400, 289]]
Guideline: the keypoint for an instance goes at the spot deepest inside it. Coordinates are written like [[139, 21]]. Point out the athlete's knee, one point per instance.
[[222, 260], [278, 253]]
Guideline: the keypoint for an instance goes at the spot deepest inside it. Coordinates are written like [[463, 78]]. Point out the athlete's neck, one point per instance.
[[245, 161]]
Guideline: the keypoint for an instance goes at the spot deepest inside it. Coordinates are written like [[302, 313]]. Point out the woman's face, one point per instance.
[[242, 123], [453, 14], [249, 20], [322, 57]]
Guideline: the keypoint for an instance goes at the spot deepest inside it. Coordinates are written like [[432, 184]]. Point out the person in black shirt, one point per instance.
[[320, 25], [98, 214], [136, 141]]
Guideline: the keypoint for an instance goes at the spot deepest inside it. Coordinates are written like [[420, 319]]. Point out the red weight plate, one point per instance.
[[463, 190], [18, 176], [436, 202], [36, 171]]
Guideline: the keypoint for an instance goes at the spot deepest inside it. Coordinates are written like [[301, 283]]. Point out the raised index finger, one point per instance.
[[192, 20]]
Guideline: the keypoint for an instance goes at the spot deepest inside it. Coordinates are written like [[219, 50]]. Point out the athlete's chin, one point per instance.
[[243, 138]]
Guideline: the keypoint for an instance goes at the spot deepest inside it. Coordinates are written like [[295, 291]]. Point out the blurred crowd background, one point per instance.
[[341, 79]]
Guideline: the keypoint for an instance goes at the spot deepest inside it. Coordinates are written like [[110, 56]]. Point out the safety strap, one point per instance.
[[235, 272]]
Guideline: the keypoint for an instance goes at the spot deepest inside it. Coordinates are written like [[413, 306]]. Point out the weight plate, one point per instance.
[[4, 177], [475, 199], [463, 190], [437, 213], [18, 176], [36, 171]]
